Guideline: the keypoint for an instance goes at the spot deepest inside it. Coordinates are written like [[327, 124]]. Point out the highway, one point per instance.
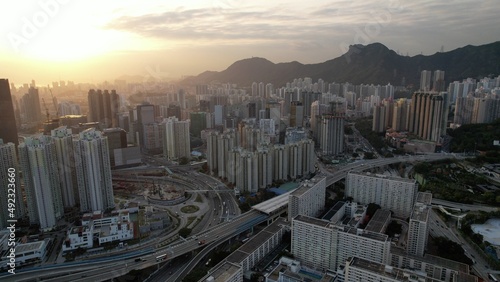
[[108, 269], [368, 164], [438, 228], [239, 223]]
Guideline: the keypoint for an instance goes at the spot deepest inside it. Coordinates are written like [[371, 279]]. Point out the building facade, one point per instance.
[[392, 193], [41, 179], [93, 171]]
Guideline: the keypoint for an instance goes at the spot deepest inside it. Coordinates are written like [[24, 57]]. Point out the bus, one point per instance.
[[492, 278], [161, 257]]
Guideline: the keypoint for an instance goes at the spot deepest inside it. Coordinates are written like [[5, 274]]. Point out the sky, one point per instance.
[[93, 41]]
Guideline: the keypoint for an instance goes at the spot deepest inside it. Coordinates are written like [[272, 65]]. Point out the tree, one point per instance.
[[185, 232], [369, 155], [371, 209], [183, 161], [393, 228]]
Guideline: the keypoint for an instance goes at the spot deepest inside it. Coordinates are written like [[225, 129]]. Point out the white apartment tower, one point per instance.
[[312, 242], [8, 163], [308, 199], [63, 141], [425, 80], [322, 245], [93, 171], [41, 179], [418, 228], [392, 193]]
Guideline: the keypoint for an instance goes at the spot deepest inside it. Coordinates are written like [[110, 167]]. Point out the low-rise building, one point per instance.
[[28, 252], [95, 226], [248, 255]]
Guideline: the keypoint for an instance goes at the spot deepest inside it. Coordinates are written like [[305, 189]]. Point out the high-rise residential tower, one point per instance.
[[41, 179], [418, 227], [332, 134], [176, 140], [9, 169], [63, 141], [425, 80], [93, 171]]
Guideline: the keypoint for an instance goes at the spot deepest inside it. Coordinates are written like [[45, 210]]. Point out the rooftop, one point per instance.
[[255, 242], [312, 220], [31, 247], [339, 205], [381, 176], [424, 198], [378, 221], [366, 233], [420, 213], [224, 272], [434, 260], [308, 184], [273, 204]]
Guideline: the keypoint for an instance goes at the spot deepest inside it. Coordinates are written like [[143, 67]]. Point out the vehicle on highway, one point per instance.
[[201, 242], [492, 278], [140, 259], [161, 257]]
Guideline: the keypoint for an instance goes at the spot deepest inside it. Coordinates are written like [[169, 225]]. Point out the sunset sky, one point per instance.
[[93, 41]]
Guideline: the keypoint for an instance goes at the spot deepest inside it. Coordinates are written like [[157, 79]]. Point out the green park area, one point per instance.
[[457, 182]]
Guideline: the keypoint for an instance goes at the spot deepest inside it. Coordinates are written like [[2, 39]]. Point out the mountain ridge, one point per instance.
[[373, 63]]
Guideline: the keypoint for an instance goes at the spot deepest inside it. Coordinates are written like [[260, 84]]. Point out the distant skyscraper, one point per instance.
[[174, 111], [8, 163], [41, 179], [269, 90], [181, 98], [255, 89], [262, 90], [8, 130], [176, 140], [93, 171], [96, 106], [485, 110], [400, 115], [332, 134], [145, 115], [117, 139], [219, 113], [30, 106], [425, 80], [296, 114], [428, 114], [438, 81], [198, 123], [104, 107], [252, 110], [63, 141]]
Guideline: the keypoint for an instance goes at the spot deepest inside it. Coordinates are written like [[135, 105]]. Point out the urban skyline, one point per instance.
[[360, 163]]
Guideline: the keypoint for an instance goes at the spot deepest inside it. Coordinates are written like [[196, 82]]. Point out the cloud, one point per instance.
[[313, 26]]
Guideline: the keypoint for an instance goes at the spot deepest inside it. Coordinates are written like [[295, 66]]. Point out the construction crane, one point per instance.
[[54, 103], [46, 110]]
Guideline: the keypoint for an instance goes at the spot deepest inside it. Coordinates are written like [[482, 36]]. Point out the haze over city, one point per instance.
[[93, 41]]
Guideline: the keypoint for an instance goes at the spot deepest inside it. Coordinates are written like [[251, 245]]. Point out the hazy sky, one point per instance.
[[93, 41]]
